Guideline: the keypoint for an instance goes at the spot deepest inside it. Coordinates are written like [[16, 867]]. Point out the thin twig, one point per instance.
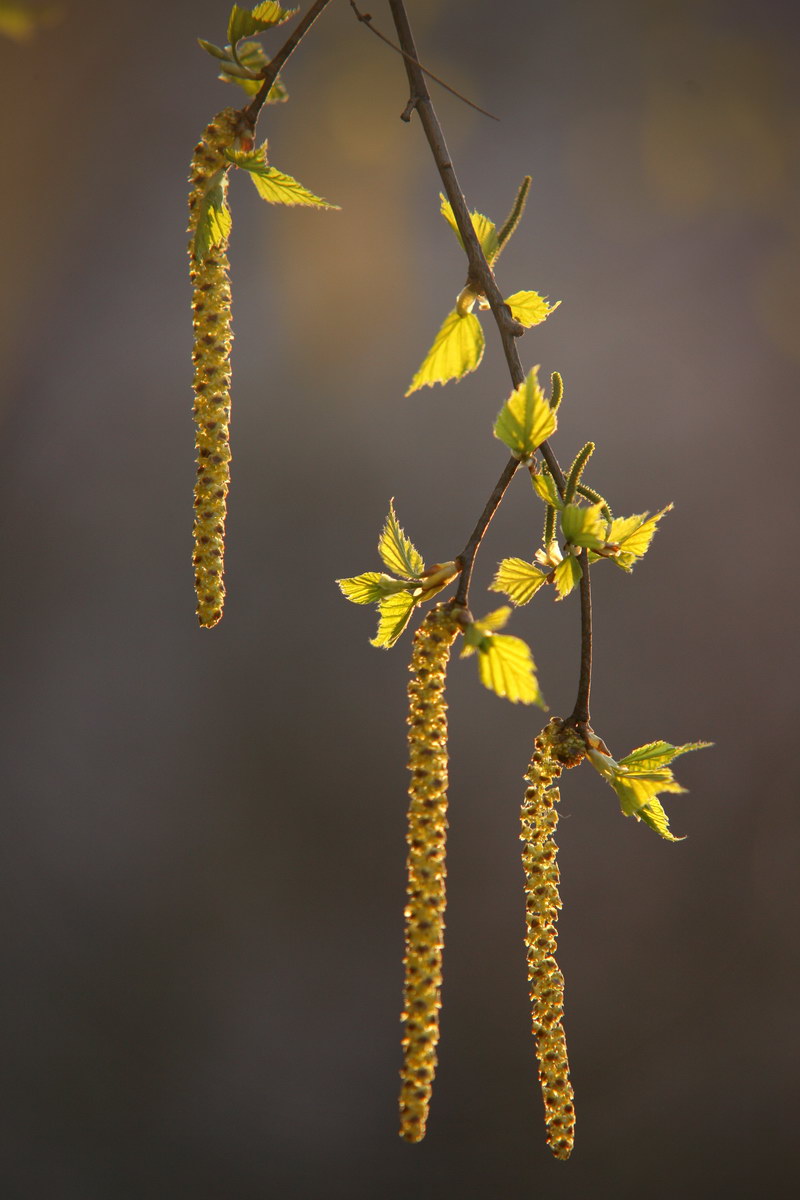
[[466, 558], [579, 718], [366, 19], [482, 279], [271, 70], [480, 274]]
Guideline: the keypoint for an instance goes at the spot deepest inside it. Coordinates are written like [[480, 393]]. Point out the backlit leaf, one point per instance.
[[506, 667], [637, 788], [633, 535], [245, 22], [567, 575], [213, 219], [653, 815], [640, 777], [477, 630], [457, 350], [584, 526], [485, 230], [398, 552], [519, 580], [367, 588], [395, 613], [529, 308], [658, 754], [545, 487], [273, 185], [526, 419]]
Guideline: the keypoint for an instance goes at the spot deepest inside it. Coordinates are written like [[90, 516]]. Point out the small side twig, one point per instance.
[[366, 19]]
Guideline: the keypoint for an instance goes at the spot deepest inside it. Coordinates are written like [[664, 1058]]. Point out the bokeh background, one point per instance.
[[202, 873]]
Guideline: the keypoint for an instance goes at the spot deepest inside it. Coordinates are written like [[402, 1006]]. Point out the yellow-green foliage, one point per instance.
[[427, 831], [211, 307], [554, 748]]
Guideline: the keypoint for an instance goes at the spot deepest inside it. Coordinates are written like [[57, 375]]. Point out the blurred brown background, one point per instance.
[[203, 833]]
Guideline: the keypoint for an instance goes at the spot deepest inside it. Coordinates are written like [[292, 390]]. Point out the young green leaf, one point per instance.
[[251, 56], [398, 552], [245, 22], [213, 219], [370, 587], [567, 576], [526, 419], [505, 664], [545, 487], [506, 667], [476, 631], [656, 755], [584, 527], [273, 185], [654, 816], [633, 535], [395, 613], [484, 230], [529, 308], [268, 13], [519, 580], [640, 777], [457, 349]]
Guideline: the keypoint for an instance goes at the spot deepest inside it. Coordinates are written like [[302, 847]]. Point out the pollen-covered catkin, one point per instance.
[[554, 748], [427, 832], [211, 308]]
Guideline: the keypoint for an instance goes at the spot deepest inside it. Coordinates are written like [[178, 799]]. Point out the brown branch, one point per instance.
[[480, 273], [270, 72], [466, 558], [366, 19], [482, 279], [579, 718]]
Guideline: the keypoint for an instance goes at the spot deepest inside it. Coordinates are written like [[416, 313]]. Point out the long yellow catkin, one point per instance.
[[427, 832], [555, 748], [211, 308]]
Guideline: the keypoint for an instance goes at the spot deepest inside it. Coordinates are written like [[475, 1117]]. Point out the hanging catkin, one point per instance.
[[554, 748], [211, 308], [427, 832]]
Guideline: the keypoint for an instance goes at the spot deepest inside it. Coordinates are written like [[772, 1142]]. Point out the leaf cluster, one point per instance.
[[244, 62], [640, 777], [591, 527], [272, 185], [458, 346], [505, 664], [398, 594]]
